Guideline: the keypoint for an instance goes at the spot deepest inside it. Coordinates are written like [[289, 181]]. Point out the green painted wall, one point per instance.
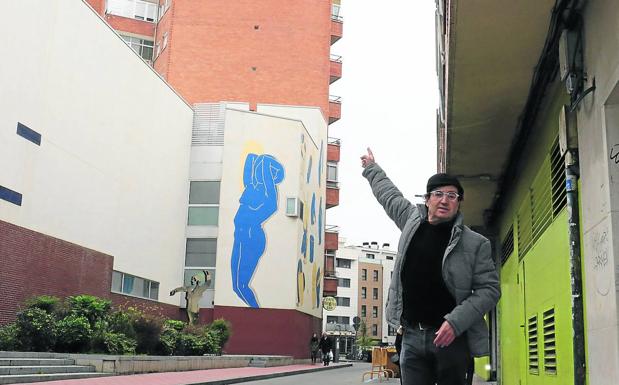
[[539, 280]]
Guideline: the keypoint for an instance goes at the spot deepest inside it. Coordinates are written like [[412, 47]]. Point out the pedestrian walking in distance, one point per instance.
[[325, 347], [444, 280], [314, 348]]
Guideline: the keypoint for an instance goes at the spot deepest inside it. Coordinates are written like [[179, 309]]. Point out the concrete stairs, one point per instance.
[[20, 367]]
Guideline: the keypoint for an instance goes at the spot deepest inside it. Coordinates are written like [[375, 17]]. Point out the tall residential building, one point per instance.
[[364, 275], [271, 57]]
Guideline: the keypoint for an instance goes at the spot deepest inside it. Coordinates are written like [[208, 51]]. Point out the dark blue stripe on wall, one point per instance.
[[28, 133], [10, 195]]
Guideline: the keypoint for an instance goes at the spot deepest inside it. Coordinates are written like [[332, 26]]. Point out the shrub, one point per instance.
[[118, 343], [193, 345], [169, 341], [44, 302], [121, 321], [8, 337], [220, 331], [174, 324], [147, 330], [73, 334], [36, 329], [91, 307]]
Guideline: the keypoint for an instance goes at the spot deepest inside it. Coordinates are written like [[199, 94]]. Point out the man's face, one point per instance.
[[442, 209]]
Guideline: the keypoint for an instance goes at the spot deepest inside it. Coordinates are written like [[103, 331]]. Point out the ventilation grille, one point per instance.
[[208, 124], [532, 345], [525, 239], [550, 345], [544, 201], [507, 246], [557, 172]]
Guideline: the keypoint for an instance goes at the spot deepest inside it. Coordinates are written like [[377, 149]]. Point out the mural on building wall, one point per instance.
[[261, 175], [300, 283], [309, 276]]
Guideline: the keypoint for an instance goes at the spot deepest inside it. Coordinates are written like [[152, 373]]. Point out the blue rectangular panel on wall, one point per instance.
[[28, 133], [10, 195]]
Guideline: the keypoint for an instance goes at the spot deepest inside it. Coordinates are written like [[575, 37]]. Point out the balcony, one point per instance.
[[333, 149], [333, 194], [337, 23], [335, 108], [335, 68], [331, 237], [330, 287]]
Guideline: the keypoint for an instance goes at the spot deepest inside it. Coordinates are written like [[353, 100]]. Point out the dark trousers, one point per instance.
[[423, 363]]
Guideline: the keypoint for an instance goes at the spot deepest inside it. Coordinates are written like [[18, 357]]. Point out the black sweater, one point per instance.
[[425, 296]]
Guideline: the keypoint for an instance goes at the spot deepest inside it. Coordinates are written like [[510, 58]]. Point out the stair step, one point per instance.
[[7, 354], [14, 370], [18, 379], [36, 361]]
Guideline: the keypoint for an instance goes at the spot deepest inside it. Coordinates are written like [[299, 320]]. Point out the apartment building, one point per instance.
[[364, 275]]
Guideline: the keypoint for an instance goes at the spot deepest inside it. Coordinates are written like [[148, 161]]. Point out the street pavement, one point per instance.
[[342, 376]]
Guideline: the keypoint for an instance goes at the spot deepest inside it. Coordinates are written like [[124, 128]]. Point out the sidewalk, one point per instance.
[[200, 377]]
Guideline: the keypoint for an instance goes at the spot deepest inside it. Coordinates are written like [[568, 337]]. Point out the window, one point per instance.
[[374, 330], [375, 311], [201, 252], [364, 293], [391, 330], [331, 174], [364, 274], [343, 282], [343, 263], [134, 286], [375, 275], [292, 207], [142, 47], [369, 256], [375, 293], [163, 8], [332, 319], [363, 311], [135, 9], [203, 203], [389, 257], [200, 255], [342, 301]]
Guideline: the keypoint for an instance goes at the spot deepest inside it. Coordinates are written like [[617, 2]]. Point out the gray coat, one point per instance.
[[468, 269]]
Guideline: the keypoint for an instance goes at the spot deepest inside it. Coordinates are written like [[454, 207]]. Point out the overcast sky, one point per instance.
[[389, 99]]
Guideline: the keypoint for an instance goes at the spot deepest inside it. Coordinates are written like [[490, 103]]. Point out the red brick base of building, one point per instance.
[[33, 264]]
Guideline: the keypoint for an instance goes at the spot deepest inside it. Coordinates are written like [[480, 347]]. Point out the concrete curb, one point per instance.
[[269, 375]]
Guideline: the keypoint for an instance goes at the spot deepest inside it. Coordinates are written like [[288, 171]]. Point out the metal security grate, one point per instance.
[[557, 174], [507, 246], [533, 352], [550, 343], [208, 124]]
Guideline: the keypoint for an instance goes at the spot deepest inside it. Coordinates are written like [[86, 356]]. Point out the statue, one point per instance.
[[193, 294]]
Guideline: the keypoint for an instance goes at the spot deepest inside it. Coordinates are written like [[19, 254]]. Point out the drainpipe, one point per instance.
[[578, 329]]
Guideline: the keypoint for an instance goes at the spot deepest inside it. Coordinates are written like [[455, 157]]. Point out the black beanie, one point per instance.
[[439, 180]]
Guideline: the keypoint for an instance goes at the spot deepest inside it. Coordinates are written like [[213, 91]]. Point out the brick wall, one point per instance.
[[270, 51], [33, 264]]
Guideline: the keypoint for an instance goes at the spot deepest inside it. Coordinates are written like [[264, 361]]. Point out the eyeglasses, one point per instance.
[[438, 194]]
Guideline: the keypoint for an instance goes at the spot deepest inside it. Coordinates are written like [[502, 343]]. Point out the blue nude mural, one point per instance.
[[261, 175]]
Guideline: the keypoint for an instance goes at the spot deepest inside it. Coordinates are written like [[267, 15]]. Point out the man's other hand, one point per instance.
[[444, 336]]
